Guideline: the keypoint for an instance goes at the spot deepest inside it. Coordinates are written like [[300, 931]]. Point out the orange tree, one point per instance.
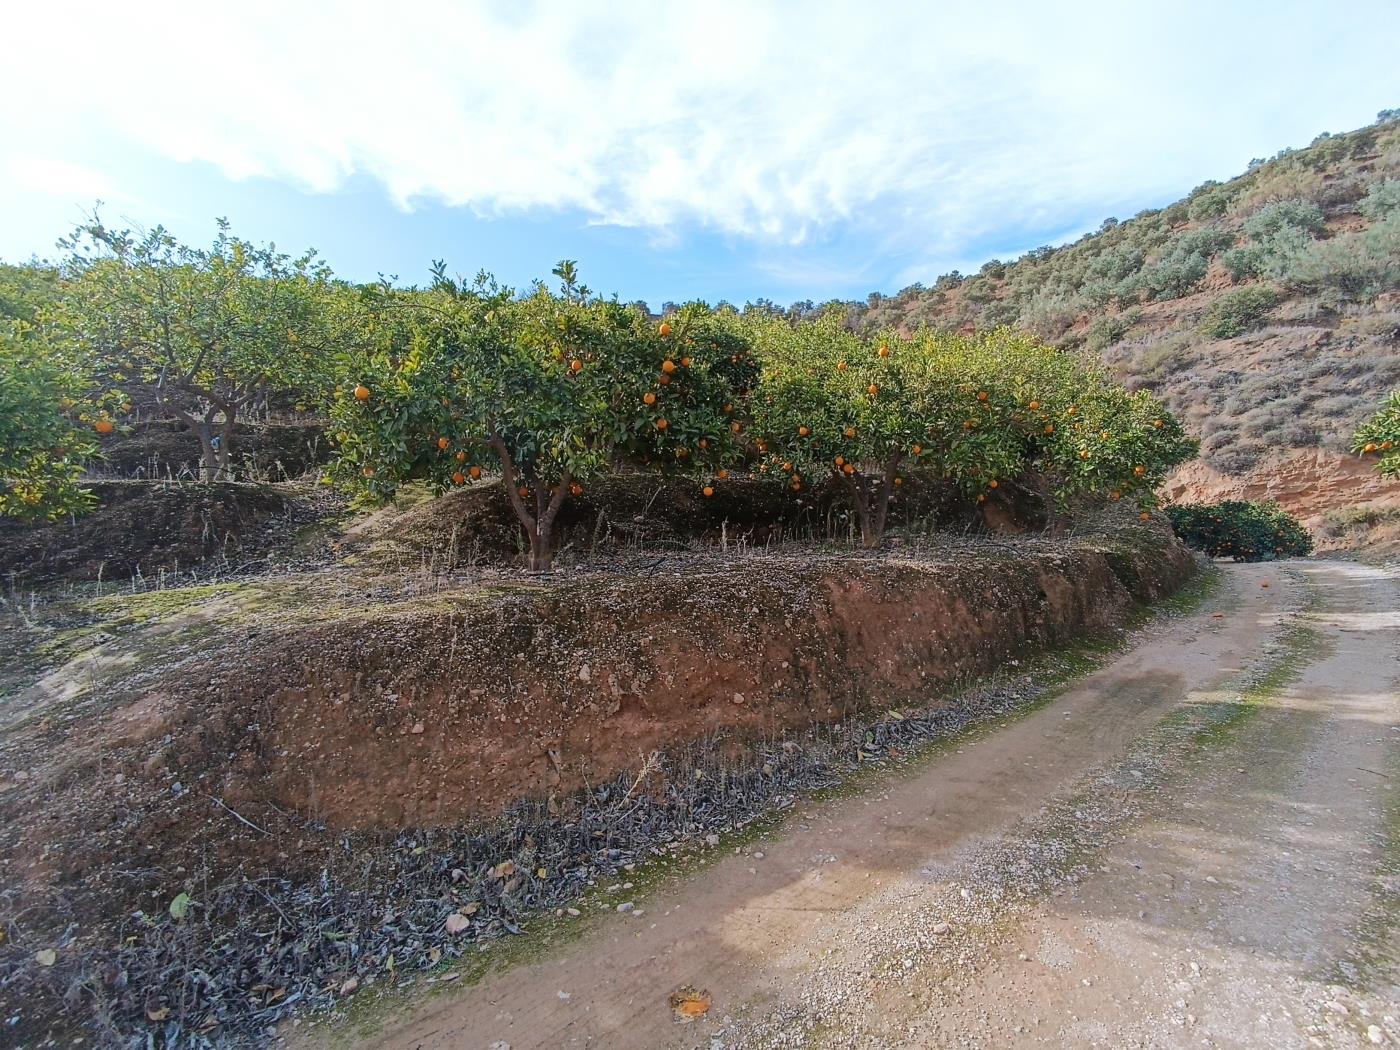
[[207, 332], [468, 381], [835, 405], [974, 411], [1379, 436], [46, 425]]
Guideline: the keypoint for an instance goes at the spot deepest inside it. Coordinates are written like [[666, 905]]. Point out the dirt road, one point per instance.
[[1197, 845]]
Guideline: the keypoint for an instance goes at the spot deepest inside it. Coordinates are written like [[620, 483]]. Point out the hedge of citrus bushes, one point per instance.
[[466, 383], [1242, 530]]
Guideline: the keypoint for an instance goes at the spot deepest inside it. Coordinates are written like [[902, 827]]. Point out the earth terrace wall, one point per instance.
[[449, 712]]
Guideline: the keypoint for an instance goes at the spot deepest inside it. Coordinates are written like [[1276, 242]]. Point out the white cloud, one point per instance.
[[58, 178], [933, 125]]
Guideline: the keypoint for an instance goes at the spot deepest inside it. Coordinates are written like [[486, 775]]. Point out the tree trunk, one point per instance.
[[541, 550], [208, 453], [872, 509]]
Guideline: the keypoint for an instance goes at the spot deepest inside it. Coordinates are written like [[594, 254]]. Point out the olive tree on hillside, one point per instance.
[[207, 331]]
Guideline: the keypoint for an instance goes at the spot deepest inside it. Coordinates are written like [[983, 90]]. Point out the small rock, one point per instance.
[[574, 912], [939, 927], [417, 728], [584, 673], [758, 855], [564, 996], [1374, 1033], [349, 986], [625, 907], [738, 698], [712, 840]]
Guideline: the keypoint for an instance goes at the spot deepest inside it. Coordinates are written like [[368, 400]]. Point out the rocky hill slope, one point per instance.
[[1264, 310]]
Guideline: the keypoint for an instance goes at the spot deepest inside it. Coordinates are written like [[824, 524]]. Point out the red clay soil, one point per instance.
[[451, 709]]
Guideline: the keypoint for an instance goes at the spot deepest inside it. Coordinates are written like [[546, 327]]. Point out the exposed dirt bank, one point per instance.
[[257, 729], [1195, 846], [1309, 483]]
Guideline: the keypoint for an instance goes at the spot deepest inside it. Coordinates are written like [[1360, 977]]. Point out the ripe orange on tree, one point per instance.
[[362, 393]]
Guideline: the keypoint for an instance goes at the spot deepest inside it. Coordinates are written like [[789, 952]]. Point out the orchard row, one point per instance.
[[544, 392]]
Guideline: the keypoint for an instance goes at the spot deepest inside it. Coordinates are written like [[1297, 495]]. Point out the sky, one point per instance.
[[715, 150]]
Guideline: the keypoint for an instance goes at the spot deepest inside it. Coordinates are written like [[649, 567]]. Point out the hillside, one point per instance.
[[1265, 311]]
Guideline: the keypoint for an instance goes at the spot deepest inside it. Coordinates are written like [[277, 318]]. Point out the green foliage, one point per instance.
[[1379, 436], [42, 447], [1240, 529], [1179, 268], [205, 331], [975, 411], [1348, 267], [1238, 311], [1281, 215], [1381, 200], [544, 392]]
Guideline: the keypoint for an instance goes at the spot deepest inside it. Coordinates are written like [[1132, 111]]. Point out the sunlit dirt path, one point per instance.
[[1197, 845]]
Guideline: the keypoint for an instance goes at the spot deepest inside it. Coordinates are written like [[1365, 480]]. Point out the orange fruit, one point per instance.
[[664, 379], [103, 426], [458, 478], [1139, 470], [850, 432], [1105, 434], [1034, 406], [981, 498], [707, 491], [1084, 453], [721, 474], [728, 409], [475, 472], [461, 457], [917, 450], [704, 442], [663, 329], [899, 481], [362, 393], [994, 483], [685, 362], [1158, 424], [849, 468], [668, 366], [576, 365], [968, 424], [802, 432], [661, 424], [576, 489], [787, 467], [981, 395], [522, 491], [1049, 429], [736, 427], [1144, 516], [873, 389], [368, 472], [648, 398], [1386, 446], [443, 443], [884, 350], [1370, 447], [840, 460], [840, 366]]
